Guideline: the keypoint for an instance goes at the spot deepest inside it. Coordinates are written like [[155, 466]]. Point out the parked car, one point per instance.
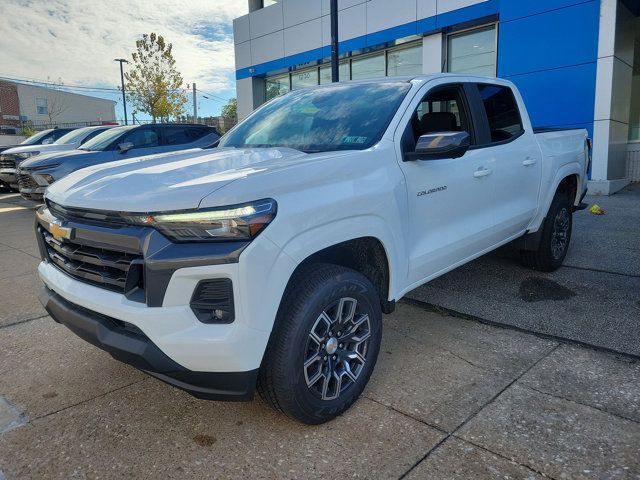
[[71, 141], [115, 144], [7, 163], [269, 260]]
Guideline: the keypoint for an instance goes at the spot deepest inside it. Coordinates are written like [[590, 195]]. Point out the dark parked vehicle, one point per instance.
[[7, 177], [36, 174]]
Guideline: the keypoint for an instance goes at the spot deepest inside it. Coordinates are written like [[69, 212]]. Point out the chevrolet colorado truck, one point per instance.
[[267, 263]]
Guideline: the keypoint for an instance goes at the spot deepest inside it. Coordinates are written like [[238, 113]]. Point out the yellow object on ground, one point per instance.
[[596, 210]]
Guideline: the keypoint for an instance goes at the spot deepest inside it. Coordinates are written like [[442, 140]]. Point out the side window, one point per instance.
[[91, 135], [502, 111], [143, 138], [59, 132], [181, 135], [441, 110]]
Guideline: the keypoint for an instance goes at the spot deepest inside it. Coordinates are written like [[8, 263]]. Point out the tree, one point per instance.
[[230, 110], [154, 85], [56, 106], [56, 102]]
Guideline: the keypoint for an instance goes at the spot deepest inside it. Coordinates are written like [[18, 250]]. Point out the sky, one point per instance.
[[74, 42]]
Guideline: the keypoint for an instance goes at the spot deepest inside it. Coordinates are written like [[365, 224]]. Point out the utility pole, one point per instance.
[[124, 98], [335, 71], [195, 105]]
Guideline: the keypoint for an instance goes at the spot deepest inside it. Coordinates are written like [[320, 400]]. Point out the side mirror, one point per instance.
[[124, 147], [438, 146], [47, 141]]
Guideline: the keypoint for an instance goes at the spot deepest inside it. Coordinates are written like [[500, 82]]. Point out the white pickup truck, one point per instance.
[[269, 261]]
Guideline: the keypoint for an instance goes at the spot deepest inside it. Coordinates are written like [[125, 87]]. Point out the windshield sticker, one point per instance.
[[354, 140]]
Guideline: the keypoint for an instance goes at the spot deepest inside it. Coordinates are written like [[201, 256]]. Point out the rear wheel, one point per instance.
[[556, 236], [324, 344]]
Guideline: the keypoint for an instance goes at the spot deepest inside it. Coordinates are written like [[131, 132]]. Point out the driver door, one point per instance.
[[449, 200], [145, 140]]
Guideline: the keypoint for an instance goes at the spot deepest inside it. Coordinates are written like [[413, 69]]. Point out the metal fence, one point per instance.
[[222, 124]]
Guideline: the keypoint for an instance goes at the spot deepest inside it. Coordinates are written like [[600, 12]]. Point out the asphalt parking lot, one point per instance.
[[451, 397]]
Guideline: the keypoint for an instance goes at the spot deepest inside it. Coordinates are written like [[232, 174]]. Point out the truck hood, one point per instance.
[[52, 147], [52, 158], [177, 181]]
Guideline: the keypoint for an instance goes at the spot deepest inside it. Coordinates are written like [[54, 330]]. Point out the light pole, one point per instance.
[[335, 71], [124, 99]]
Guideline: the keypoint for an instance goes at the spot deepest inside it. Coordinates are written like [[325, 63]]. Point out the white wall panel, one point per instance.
[[426, 8], [383, 14], [445, 6], [352, 23], [342, 4], [241, 31], [266, 20], [244, 94], [243, 55], [303, 37], [432, 53], [267, 48], [300, 11]]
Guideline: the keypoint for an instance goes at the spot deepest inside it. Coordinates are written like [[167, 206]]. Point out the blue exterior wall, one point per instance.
[[549, 49]]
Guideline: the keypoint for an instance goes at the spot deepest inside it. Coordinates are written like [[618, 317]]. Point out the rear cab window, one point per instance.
[[176, 135], [502, 112]]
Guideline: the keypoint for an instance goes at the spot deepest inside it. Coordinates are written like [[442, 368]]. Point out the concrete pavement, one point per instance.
[[450, 398], [594, 298]]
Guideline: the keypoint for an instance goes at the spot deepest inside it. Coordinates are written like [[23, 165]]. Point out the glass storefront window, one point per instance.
[[406, 61], [325, 73], [277, 86], [304, 78], [368, 67], [473, 52]]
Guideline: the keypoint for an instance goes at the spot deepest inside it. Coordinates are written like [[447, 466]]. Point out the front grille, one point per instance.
[[117, 271], [7, 162], [90, 216], [26, 182]]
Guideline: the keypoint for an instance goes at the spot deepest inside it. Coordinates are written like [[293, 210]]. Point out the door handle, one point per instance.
[[529, 161], [482, 172]]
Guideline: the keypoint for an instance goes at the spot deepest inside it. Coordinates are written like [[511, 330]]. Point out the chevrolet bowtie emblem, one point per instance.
[[59, 232]]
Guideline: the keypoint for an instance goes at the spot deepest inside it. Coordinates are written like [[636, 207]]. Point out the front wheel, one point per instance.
[[324, 344], [556, 235]]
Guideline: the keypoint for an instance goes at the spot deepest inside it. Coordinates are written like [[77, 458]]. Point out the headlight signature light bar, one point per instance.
[[232, 223]]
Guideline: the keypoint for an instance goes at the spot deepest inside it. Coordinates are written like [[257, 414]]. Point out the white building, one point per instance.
[[43, 106]]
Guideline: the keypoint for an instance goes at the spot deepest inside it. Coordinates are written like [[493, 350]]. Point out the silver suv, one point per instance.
[[36, 174]]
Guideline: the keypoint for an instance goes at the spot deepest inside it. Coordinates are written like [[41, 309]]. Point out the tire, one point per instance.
[[555, 239], [304, 346]]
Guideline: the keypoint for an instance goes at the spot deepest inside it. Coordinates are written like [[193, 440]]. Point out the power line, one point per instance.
[[56, 85], [215, 97]]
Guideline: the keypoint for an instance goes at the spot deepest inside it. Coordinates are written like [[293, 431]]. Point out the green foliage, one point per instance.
[[230, 110], [27, 129], [154, 85]]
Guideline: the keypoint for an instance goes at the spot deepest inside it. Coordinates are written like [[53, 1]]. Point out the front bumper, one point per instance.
[[33, 194], [130, 345], [8, 176]]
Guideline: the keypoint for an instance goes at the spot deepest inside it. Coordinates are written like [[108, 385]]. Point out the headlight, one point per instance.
[[25, 155], [43, 179], [233, 223]]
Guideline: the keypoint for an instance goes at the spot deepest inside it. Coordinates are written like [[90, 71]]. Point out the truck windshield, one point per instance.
[[103, 140], [332, 117], [34, 139]]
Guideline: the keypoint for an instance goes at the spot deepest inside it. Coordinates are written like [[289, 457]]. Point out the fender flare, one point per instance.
[[323, 236]]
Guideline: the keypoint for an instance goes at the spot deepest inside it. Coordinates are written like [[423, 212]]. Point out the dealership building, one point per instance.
[[577, 63]]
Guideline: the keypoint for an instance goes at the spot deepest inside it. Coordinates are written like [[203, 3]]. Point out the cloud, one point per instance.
[[77, 40]]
